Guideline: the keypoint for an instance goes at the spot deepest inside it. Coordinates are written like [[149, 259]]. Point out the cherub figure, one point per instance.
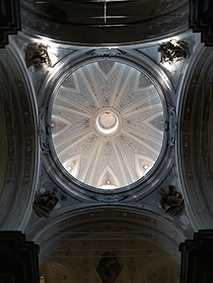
[[45, 203], [173, 51], [37, 56], [172, 201]]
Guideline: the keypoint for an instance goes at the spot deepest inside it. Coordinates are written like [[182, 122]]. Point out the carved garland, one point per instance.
[[171, 126], [108, 197], [44, 130], [106, 52]]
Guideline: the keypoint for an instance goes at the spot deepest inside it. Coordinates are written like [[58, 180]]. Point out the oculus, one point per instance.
[[107, 124]]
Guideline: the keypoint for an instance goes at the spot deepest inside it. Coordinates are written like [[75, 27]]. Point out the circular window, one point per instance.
[[107, 124]]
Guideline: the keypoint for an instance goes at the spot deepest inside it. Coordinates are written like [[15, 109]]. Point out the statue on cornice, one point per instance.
[[172, 201], [45, 203], [108, 268], [173, 51], [37, 56]]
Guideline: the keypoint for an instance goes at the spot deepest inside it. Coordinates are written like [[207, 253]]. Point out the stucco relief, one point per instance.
[[109, 268], [173, 51], [160, 274], [115, 257], [108, 197], [109, 154], [186, 137], [171, 126], [28, 132], [37, 56], [45, 203], [54, 272], [172, 201], [106, 52], [44, 130], [9, 132]]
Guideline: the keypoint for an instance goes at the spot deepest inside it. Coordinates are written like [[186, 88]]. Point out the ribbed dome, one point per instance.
[[107, 124]]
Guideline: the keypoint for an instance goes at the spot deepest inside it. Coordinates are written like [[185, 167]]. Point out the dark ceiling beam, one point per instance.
[[201, 19], [10, 20]]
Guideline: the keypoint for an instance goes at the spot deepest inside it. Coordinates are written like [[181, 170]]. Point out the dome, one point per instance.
[[107, 124]]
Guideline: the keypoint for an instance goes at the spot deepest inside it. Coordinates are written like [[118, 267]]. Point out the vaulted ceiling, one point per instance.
[[101, 22]]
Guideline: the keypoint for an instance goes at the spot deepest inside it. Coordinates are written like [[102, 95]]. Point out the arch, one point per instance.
[[21, 141], [104, 219], [193, 140]]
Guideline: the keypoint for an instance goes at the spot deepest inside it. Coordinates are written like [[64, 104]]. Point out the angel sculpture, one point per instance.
[[37, 56], [172, 201]]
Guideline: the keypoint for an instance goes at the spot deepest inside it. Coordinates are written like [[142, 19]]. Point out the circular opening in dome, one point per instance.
[[107, 124]]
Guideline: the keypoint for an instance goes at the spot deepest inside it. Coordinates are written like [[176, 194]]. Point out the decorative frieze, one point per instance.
[[171, 125], [44, 130], [189, 99], [28, 132], [106, 52], [187, 156], [205, 134], [108, 197], [113, 214]]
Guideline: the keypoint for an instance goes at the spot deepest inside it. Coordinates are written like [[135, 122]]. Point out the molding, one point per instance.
[[106, 52], [102, 219], [24, 92], [192, 142], [171, 126], [108, 197], [49, 89], [44, 130]]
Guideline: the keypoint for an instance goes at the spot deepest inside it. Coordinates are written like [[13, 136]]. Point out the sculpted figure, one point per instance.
[[37, 56], [108, 268], [173, 51], [45, 203], [172, 201]]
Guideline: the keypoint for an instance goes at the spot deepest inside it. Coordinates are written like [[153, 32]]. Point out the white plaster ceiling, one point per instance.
[[107, 124]]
